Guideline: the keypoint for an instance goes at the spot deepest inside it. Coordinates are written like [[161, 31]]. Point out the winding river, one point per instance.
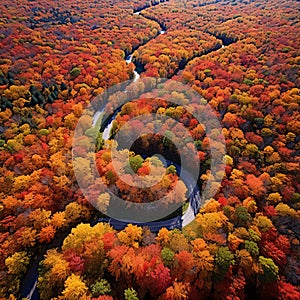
[[29, 289], [136, 76]]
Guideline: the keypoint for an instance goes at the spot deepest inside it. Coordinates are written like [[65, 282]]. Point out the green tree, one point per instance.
[[241, 216], [254, 236], [167, 256], [223, 259], [135, 162], [75, 72], [101, 287], [263, 223], [252, 248], [270, 270], [171, 169], [130, 294]]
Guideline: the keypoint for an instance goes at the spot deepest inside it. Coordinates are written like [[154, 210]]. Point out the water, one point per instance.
[[107, 130], [136, 76]]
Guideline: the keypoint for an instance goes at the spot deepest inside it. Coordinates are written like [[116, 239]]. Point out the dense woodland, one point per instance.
[[242, 57]]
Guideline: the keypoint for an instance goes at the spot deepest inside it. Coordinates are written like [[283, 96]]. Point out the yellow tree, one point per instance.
[[263, 223], [163, 236], [17, 263], [204, 263], [56, 264], [84, 234], [75, 288], [211, 222], [131, 235], [58, 219]]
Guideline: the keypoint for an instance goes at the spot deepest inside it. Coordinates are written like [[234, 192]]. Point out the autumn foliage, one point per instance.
[[242, 57]]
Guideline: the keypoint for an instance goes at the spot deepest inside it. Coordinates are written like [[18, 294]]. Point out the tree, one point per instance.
[[283, 209], [83, 171], [163, 236], [26, 236], [252, 248], [287, 291], [58, 219], [75, 72], [130, 294], [234, 242], [117, 267], [167, 256], [242, 217], [204, 262], [245, 261], [57, 265], [103, 202], [135, 162], [255, 184], [76, 263], [17, 263], [223, 259], [75, 212], [263, 223], [40, 218], [87, 240], [178, 242], [178, 291], [131, 235], [271, 250], [184, 263], [101, 287], [79, 235], [75, 288], [211, 222], [104, 297], [269, 270], [46, 234], [157, 279], [274, 198]]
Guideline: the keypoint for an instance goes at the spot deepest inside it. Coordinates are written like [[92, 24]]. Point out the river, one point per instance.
[[179, 221], [29, 289]]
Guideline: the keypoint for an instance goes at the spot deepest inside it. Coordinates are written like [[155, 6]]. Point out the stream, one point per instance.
[[29, 289], [136, 76], [194, 198]]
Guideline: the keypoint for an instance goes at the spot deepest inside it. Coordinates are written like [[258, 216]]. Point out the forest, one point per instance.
[[241, 58]]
